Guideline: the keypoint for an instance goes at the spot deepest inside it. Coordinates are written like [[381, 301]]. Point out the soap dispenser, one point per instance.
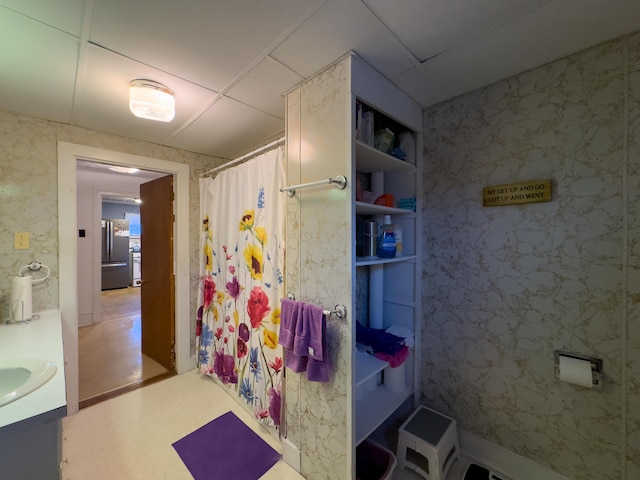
[[387, 246]]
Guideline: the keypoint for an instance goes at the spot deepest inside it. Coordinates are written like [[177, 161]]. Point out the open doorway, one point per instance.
[[110, 316], [69, 234]]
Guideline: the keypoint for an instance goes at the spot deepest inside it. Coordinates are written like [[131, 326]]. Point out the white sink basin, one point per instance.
[[21, 376]]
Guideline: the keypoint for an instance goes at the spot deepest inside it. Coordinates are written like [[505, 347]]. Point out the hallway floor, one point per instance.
[[109, 353], [130, 436]]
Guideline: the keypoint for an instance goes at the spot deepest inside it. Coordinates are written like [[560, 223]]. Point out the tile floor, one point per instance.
[[129, 437]]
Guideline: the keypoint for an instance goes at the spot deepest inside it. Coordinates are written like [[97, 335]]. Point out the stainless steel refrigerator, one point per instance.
[[115, 253]]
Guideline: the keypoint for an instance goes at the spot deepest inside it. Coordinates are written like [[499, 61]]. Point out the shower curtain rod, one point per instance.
[[248, 156]]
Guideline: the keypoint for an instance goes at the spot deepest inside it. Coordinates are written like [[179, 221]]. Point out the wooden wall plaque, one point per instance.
[[516, 193]]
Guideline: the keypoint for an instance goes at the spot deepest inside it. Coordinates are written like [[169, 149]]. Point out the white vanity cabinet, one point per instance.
[[31, 426]]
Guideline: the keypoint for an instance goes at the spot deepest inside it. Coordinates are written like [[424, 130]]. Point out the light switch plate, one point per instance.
[[21, 241]]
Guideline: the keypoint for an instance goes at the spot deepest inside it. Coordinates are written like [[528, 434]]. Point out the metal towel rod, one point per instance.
[[339, 310], [340, 182]]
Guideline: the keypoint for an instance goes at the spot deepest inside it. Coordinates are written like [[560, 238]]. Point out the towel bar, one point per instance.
[[339, 310], [340, 182]]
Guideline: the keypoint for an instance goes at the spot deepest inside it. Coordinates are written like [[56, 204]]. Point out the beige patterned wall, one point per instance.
[[28, 195], [318, 267], [632, 390], [505, 286]]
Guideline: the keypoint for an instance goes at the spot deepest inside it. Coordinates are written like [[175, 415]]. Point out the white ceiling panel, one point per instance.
[[423, 87], [105, 89], [227, 129], [36, 81], [430, 28], [338, 27], [230, 61], [65, 15], [209, 43], [264, 86], [521, 45]]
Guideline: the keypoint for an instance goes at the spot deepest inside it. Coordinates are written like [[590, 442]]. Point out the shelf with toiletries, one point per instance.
[[362, 261], [371, 160], [404, 224], [364, 208], [390, 286]]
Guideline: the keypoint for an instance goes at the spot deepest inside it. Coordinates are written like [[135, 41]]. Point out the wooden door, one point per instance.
[[157, 299]]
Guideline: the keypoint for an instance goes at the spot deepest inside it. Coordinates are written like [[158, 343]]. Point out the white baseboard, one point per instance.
[[501, 460], [291, 454], [85, 319]]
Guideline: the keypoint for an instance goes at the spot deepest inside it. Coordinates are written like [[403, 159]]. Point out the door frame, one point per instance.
[[68, 153]]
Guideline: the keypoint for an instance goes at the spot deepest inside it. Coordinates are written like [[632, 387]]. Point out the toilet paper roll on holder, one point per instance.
[[33, 266], [597, 374]]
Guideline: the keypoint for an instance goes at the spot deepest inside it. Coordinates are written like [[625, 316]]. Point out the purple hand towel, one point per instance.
[[302, 334], [316, 329], [290, 317], [309, 333], [290, 313]]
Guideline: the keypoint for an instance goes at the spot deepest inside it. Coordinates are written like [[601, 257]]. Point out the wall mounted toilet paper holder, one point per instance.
[[597, 374]]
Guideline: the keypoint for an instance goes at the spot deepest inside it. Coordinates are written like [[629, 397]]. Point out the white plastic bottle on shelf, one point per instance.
[[397, 233]]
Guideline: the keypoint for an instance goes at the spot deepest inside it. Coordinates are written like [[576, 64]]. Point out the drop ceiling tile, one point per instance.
[[193, 45], [38, 68], [264, 87], [521, 45], [210, 43], [102, 100], [335, 29], [421, 86], [227, 128], [65, 15], [436, 26]]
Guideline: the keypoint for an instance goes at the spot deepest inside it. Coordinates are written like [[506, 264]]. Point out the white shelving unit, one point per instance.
[[375, 160], [363, 261], [322, 226], [363, 208], [379, 405], [393, 282], [367, 366]]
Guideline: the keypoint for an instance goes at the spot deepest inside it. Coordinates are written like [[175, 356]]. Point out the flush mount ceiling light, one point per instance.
[[151, 100], [123, 169]]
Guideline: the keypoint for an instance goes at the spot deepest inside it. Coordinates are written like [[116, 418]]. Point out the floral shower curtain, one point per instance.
[[241, 282]]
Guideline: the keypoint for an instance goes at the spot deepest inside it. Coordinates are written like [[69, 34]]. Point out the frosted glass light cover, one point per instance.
[[152, 101]]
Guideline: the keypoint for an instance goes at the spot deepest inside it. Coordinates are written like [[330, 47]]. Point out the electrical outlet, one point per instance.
[[21, 241]]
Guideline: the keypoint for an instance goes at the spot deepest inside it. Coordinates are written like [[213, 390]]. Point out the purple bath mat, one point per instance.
[[226, 448]]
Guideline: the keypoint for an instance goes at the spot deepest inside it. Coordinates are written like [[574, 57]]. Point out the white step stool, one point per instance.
[[428, 443]]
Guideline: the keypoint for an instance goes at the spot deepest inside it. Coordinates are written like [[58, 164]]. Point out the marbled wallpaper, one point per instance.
[[318, 268], [29, 196], [632, 250], [505, 286]]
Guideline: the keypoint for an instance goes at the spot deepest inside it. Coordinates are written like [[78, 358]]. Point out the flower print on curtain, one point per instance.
[[241, 282]]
